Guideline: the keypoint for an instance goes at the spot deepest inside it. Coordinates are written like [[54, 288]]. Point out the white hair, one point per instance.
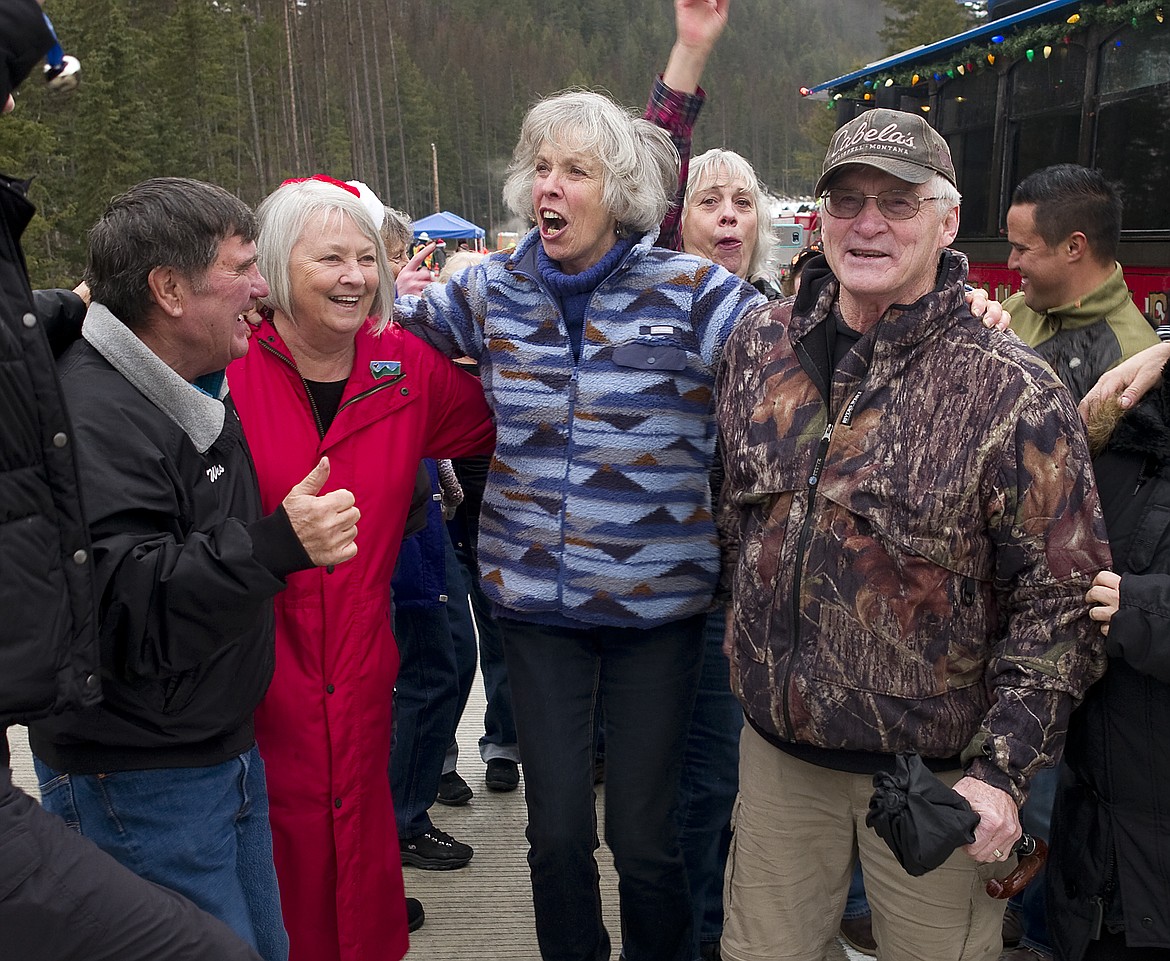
[[638, 159], [283, 216]]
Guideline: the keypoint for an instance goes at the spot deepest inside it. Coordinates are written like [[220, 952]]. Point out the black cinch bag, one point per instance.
[[920, 818]]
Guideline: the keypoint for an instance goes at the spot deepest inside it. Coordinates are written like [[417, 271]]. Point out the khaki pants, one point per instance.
[[797, 829]]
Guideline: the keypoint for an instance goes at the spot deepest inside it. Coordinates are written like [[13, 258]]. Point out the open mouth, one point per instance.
[[346, 301], [551, 223]]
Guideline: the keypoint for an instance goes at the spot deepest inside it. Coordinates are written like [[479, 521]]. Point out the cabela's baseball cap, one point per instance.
[[896, 142]]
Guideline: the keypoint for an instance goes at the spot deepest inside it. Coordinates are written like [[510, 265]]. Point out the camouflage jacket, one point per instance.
[[911, 571]]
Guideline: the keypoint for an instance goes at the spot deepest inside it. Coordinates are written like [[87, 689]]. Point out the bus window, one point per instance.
[[1044, 122], [1132, 121], [967, 120]]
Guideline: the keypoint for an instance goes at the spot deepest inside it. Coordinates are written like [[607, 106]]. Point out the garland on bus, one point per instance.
[[1034, 43]]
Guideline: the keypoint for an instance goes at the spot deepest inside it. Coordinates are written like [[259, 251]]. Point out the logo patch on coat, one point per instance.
[[385, 368]]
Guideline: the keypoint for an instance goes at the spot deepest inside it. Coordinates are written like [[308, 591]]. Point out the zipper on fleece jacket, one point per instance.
[[573, 384], [802, 547]]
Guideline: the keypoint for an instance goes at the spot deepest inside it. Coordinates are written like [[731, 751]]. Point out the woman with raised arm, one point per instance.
[[597, 544]]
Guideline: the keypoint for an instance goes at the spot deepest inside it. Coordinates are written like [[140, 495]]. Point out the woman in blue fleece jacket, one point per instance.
[[597, 545]]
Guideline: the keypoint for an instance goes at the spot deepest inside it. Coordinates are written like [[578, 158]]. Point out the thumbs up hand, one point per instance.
[[325, 524]]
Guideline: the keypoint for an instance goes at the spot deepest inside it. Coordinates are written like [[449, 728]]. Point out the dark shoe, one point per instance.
[[415, 915], [435, 850], [502, 774], [1013, 928], [453, 790], [858, 934]]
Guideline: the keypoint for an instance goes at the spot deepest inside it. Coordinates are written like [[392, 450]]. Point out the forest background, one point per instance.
[[246, 93]]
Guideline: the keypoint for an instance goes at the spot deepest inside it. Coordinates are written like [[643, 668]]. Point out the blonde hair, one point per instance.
[[718, 167], [283, 216]]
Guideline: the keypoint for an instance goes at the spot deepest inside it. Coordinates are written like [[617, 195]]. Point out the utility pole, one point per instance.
[[435, 175]]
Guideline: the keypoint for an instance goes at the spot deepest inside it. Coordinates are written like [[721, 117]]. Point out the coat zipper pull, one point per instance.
[[1098, 917]]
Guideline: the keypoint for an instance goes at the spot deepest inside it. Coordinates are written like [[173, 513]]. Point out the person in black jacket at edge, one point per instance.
[[60, 897], [1109, 867]]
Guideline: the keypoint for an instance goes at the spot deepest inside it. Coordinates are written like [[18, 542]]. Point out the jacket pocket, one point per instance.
[[642, 356], [20, 856], [912, 610], [1149, 534], [38, 630]]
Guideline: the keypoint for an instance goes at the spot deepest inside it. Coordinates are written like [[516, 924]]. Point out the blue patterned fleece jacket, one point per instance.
[[597, 509]]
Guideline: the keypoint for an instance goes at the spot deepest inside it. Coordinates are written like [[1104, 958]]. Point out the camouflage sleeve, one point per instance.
[[1050, 543], [676, 113]]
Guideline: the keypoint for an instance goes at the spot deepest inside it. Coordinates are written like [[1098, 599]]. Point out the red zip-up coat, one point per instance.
[[324, 725]]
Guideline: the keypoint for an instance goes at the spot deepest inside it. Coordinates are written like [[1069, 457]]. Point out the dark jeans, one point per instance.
[[710, 779], [645, 681], [426, 701], [1036, 819], [463, 638], [64, 899], [435, 674], [1112, 947]]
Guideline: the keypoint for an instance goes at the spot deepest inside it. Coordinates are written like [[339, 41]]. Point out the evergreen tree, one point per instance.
[[914, 22], [246, 93]]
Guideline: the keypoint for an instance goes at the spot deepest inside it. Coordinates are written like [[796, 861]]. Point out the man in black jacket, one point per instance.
[[61, 898], [164, 774]]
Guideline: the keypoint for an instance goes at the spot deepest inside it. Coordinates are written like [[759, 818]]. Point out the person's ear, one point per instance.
[[950, 226], [167, 287], [1075, 246]]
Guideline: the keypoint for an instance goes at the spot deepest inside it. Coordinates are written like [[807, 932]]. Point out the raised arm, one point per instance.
[[698, 25], [676, 97]]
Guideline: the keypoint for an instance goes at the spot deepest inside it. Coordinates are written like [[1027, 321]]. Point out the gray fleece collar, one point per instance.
[[201, 417]]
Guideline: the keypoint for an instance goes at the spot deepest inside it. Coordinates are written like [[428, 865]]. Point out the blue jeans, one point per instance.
[[201, 831], [856, 903], [499, 724], [710, 779], [1036, 819], [645, 680]]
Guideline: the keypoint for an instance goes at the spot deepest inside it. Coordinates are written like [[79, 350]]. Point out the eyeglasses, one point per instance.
[[893, 204]]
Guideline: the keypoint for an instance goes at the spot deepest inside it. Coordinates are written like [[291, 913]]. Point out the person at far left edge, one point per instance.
[[165, 774]]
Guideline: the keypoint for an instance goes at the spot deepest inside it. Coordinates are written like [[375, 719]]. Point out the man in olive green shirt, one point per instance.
[[1074, 309]]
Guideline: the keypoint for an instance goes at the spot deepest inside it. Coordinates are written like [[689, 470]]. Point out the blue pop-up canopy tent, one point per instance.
[[447, 225]]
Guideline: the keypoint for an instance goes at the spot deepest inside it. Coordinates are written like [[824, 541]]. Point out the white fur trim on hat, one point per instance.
[[375, 207]]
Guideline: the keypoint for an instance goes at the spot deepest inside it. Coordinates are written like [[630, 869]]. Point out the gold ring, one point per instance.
[[998, 854]]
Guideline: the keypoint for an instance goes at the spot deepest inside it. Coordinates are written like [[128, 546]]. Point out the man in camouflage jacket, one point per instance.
[[917, 525]]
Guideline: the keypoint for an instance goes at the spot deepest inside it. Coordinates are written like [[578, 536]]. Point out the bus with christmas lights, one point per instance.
[[1066, 81]]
